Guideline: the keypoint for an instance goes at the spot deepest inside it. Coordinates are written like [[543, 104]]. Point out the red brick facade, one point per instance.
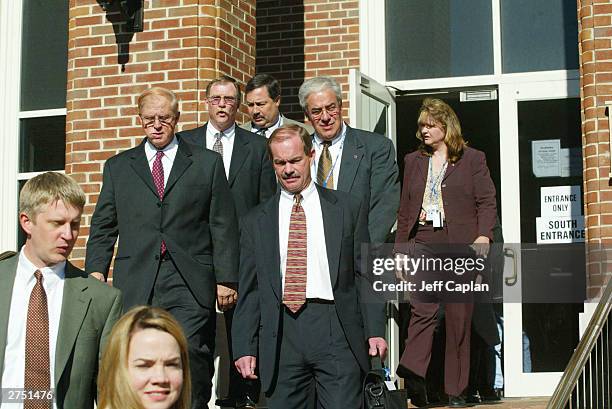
[[595, 48], [185, 43], [297, 40]]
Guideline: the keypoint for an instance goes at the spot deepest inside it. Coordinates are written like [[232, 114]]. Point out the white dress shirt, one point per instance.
[[14, 354], [227, 141], [279, 123], [318, 280], [335, 150], [168, 158]]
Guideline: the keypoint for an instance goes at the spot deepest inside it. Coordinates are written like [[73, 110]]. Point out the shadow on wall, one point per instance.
[[126, 16], [280, 49]]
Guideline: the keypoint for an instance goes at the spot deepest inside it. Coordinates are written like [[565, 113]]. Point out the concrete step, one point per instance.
[[508, 403]]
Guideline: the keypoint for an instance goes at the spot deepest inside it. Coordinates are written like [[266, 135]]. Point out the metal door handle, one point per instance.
[[510, 281]]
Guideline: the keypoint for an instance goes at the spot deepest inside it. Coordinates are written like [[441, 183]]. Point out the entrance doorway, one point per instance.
[[509, 122]]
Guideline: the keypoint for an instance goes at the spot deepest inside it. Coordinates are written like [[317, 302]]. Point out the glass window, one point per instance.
[[438, 38], [539, 35], [42, 144], [44, 54]]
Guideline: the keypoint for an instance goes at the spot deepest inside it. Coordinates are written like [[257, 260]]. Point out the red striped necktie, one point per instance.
[[294, 293]]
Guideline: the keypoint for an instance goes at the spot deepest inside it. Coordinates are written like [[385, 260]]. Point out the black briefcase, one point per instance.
[[375, 392]]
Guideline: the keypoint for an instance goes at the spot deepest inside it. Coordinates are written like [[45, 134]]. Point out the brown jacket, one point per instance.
[[468, 194]]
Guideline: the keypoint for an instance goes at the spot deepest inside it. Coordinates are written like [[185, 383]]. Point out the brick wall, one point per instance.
[[297, 40], [595, 49], [184, 44]]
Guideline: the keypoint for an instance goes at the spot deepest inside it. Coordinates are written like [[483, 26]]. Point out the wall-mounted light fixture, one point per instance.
[[132, 10]]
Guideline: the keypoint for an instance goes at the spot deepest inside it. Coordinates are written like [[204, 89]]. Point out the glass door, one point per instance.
[[372, 108], [543, 227]]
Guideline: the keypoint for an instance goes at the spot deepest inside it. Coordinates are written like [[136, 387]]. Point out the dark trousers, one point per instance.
[[417, 353], [482, 366], [239, 387], [171, 293], [458, 317], [314, 348]]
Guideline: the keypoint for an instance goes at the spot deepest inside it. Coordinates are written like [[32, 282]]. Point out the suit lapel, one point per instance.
[[7, 279], [239, 153], [423, 166], [352, 152], [201, 135], [450, 169], [141, 166], [332, 227], [268, 222], [75, 303], [182, 161]]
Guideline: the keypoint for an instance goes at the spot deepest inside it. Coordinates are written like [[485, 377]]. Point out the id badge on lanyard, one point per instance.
[[434, 214]]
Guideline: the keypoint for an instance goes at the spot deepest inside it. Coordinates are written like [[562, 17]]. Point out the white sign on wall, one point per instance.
[[545, 155], [560, 229], [561, 211], [558, 201]]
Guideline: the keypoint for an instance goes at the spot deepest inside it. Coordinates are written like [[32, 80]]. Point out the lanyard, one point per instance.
[[435, 181]]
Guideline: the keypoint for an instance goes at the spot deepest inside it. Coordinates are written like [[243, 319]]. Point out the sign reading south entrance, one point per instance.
[[561, 220]]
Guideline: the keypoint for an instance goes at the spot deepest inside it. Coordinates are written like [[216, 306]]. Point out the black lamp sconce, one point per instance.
[[132, 11]]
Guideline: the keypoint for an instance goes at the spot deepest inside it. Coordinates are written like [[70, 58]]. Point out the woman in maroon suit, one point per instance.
[[448, 198]]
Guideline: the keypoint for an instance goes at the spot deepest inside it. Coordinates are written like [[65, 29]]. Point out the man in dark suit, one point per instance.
[[351, 160], [301, 316], [48, 307], [251, 180], [170, 205], [263, 98]]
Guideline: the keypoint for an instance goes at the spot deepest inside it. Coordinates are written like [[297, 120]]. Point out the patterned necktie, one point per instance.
[[37, 368], [325, 167], [158, 178], [262, 132], [218, 146], [294, 294]]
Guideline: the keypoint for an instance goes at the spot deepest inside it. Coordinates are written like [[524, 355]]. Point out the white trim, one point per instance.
[[10, 72], [497, 45], [29, 175], [43, 113], [354, 96], [484, 80], [372, 40]]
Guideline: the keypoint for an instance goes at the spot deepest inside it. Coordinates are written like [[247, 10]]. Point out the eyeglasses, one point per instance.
[[216, 100], [164, 120], [332, 110]]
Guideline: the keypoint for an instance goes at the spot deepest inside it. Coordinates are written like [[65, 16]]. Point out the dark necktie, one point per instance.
[[218, 146], [294, 294], [158, 178], [37, 368], [324, 176], [262, 132]]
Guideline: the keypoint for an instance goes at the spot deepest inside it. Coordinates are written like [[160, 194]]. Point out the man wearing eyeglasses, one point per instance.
[[169, 204], [351, 160], [251, 180]]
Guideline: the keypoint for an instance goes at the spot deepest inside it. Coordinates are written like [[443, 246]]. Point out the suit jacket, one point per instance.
[[90, 308], [468, 195], [256, 326], [196, 219], [251, 176], [368, 170], [286, 121]]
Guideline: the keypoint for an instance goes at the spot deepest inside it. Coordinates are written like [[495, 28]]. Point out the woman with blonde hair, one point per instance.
[[448, 202], [145, 364]]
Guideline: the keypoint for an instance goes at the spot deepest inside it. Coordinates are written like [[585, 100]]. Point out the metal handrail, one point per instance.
[[582, 354]]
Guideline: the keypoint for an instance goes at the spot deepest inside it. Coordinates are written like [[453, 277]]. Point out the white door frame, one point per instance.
[[10, 72], [516, 382]]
